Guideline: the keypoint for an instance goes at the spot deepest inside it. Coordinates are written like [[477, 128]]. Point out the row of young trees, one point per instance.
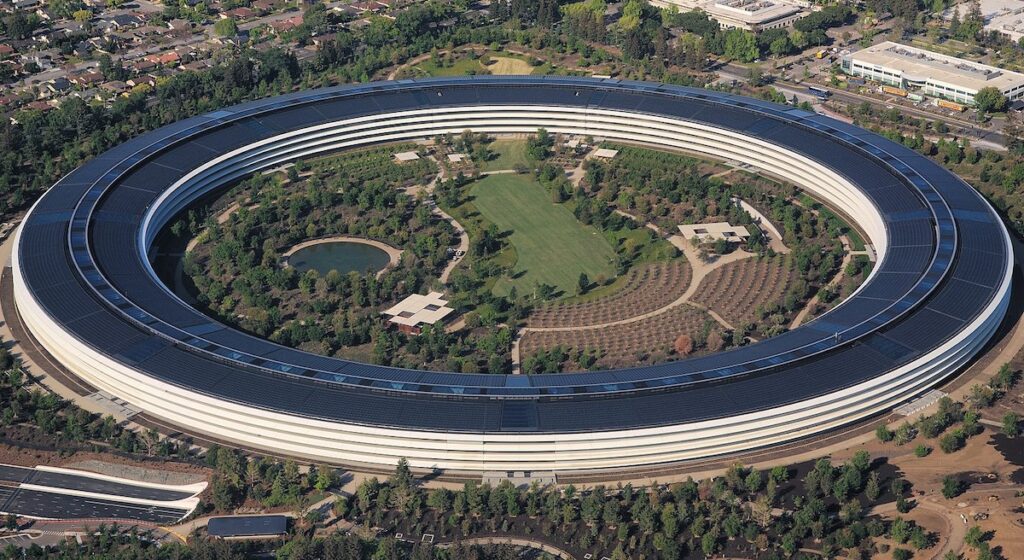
[[744, 512], [47, 421], [110, 542], [943, 424], [668, 189]]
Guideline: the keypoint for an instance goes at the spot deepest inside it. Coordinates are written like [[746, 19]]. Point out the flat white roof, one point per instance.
[[456, 157], [1004, 16], [605, 153], [407, 156], [714, 231], [752, 12], [419, 309], [921, 65], [749, 13]]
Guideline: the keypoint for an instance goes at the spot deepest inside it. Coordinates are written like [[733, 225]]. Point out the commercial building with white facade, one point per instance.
[[85, 287], [931, 73], [751, 15]]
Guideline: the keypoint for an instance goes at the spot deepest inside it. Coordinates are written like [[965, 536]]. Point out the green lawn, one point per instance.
[[553, 247], [506, 154]]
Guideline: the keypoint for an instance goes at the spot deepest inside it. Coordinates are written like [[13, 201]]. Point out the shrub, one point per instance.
[[951, 487]]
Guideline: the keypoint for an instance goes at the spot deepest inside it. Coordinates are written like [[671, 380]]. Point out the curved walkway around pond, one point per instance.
[[394, 255]]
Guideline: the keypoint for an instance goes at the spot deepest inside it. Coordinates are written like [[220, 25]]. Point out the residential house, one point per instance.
[[286, 24], [87, 79], [239, 14]]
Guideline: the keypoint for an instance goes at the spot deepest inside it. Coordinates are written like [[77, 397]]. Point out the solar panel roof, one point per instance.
[[87, 227]]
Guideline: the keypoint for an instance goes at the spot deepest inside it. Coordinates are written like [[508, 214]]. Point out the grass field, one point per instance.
[[499, 65], [508, 152], [553, 247]]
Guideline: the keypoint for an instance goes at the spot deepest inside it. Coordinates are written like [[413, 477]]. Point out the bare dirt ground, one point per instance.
[[106, 463], [508, 66], [989, 501]]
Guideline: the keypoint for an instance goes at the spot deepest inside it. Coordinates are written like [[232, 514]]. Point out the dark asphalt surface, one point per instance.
[[61, 506], [36, 503], [86, 484], [10, 473], [23, 475]]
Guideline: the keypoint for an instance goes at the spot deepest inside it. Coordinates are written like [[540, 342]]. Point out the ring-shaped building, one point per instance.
[[86, 289]]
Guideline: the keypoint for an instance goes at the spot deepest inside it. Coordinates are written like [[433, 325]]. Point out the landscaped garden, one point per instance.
[[576, 255]]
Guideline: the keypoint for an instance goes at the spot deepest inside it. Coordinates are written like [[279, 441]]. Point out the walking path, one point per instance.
[[394, 255], [514, 541], [811, 302], [700, 269], [774, 236], [463, 249], [951, 538]]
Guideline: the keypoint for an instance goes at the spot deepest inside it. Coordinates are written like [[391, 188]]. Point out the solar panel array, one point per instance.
[[80, 259]]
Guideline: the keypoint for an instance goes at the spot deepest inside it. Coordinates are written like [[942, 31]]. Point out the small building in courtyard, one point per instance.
[[404, 157], [714, 232], [417, 310]]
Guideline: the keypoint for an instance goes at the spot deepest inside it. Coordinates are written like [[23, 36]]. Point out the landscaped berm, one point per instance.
[[552, 246]]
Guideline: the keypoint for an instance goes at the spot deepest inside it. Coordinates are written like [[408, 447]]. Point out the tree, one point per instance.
[[761, 511], [222, 493], [951, 442], [226, 27], [741, 45], [753, 481], [990, 100], [66, 8], [899, 531], [974, 537], [583, 283], [341, 506], [883, 433], [684, 345], [1011, 424], [325, 478], [781, 46], [951, 487], [872, 490]]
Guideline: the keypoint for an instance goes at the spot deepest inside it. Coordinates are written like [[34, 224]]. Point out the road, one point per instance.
[[51, 494], [50, 505], [991, 139], [98, 486]]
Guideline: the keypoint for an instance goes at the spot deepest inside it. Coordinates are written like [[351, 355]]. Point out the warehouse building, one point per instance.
[[931, 73]]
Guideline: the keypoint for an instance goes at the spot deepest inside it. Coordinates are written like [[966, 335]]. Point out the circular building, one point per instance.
[[86, 289]]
